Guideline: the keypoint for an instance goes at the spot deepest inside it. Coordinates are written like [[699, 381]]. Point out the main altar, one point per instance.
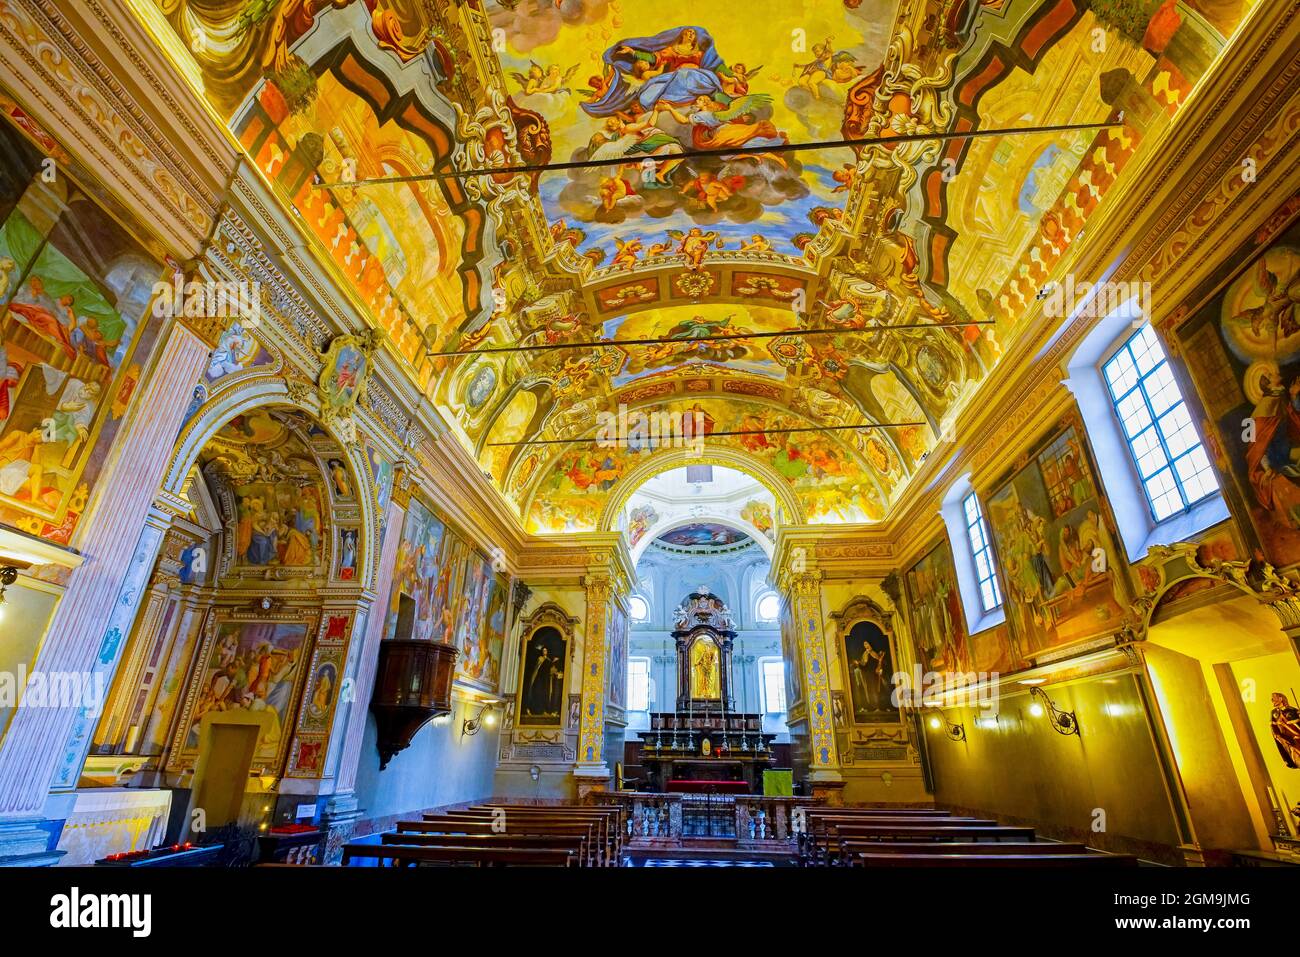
[[705, 745]]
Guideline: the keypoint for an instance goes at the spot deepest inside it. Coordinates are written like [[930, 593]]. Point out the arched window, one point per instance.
[[638, 608], [769, 607]]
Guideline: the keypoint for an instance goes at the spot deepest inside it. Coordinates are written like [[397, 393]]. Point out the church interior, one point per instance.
[[603, 433]]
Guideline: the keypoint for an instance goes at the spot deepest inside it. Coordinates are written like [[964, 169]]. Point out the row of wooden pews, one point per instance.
[[502, 835], [911, 837]]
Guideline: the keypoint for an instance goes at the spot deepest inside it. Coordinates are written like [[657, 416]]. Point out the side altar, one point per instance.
[[705, 745]]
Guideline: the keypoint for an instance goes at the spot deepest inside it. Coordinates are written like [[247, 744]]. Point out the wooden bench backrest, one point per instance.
[[993, 860], [434, 824], [850, 847], [901, 832], [406, 853]]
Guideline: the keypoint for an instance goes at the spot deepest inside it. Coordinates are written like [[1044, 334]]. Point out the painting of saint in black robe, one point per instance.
[[870, 671], [541, 688]]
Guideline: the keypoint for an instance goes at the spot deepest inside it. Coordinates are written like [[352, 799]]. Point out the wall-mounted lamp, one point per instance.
[[485, 716], [8, 575], [1063, 722], [955, 731]]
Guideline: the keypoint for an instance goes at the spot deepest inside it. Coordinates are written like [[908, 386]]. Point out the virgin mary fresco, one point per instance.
[[675, 66]]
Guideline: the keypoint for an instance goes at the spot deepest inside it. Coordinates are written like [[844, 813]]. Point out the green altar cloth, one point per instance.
[[778, 783]]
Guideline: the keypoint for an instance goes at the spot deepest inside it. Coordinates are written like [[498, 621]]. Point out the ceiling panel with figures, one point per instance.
[[662, 188]]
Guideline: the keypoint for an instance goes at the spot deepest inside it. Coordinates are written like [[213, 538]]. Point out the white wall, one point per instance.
[[440, 767]]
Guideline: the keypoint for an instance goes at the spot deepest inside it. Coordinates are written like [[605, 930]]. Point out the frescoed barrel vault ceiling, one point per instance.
[[921, 257]]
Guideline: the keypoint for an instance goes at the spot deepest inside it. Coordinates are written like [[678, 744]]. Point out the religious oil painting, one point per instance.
[[75, 288], [541, 679], [1242, 349], [870, 666], [703, 533], [1057, 548], [252, 666], [430, 567], [478, 640], [237, 351], [938, 623], [943, 643], [616, 639]]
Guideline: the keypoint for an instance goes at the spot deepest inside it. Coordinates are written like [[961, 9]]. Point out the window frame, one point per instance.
[[762, 684], [1139, 386], [649, 681], [981, 550]]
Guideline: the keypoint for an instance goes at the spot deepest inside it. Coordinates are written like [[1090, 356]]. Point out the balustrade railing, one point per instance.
[[656, 820]]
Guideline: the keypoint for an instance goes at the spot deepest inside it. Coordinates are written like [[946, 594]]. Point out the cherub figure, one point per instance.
[[541, 79], [710, 189], [627, 251], [694, 244]]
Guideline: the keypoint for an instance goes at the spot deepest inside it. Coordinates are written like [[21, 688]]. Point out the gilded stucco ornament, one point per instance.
[[342, 382]]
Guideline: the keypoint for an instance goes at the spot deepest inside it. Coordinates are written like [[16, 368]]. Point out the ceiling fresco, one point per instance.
[[703, 534], [915, 261], [633, 81]]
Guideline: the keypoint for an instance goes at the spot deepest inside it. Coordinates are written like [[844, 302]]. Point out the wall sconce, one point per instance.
[[955, 731], [8, 575], [1063, 722], [485, 716]]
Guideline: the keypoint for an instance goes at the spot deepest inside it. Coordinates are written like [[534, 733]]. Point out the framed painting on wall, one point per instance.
[[544, 654], [75, 291], [480, 653], [867, 657], [251, 662], [1241, 347], [1056, 549], [942, 641]]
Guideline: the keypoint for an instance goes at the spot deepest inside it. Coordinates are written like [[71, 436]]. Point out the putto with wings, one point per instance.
[[693, 244], [540, 79]]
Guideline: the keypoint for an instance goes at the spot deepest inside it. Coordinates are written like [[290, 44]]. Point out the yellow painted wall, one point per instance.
[[1218, 810], [28, 606], [1018, 768]]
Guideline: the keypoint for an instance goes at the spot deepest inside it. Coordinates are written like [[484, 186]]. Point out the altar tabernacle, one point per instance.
[[705, 745]]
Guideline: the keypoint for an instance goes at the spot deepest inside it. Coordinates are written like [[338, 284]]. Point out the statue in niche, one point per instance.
[[705, 675], [1284, 722]]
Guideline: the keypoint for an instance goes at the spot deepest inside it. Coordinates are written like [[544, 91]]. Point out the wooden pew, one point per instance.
[[850, 847], [608, 820], [575, 843], [608, 835], [950, 832], [887, 811], [413, 855], [821, 840], [615, 814], [994, 860], [587, 830]]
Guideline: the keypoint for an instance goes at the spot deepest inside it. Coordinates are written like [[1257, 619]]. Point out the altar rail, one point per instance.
[[755, 821]]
